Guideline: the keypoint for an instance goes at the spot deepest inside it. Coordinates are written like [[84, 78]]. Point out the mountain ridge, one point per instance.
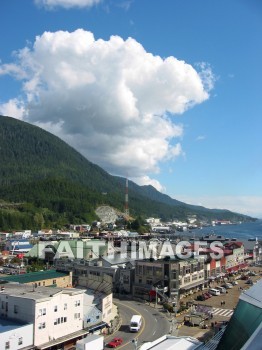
[[59, 184]]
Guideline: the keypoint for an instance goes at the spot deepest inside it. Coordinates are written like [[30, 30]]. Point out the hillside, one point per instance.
[[45, 182]]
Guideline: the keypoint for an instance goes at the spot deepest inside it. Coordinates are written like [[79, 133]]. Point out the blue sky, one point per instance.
[[164, 92]]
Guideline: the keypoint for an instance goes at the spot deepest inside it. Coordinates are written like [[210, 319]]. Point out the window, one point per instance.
[[54, 281], [194, 277], [77, 302], [77, 315], [7, 345], [42, 312], [65, 319], [41, 325], [15, 309], [55, 308], [173, 274], [65, 306], [20, 341]]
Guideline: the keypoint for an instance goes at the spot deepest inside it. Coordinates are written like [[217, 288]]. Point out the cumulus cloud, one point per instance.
[[146, 180], [111, 100], [14, 108], [67, 4]]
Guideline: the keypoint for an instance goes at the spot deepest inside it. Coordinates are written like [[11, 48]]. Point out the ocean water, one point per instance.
[[249, 230]]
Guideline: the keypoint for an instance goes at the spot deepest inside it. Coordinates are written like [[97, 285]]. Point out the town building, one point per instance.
[[48, 278], [175, 277], [56, 313], [16, 335]]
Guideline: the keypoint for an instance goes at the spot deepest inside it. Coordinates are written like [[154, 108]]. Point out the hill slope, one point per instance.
[[55, 184]]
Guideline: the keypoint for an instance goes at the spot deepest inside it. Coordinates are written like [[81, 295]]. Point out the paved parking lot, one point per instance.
[[221, 312]]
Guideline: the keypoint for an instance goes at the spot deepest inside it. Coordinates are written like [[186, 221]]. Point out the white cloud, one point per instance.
[[111, 100], [248, 205], [14, 108], [146, 180], [51, 4]]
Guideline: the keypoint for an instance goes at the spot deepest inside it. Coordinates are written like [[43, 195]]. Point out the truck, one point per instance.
[[91, 342], [135, 323]]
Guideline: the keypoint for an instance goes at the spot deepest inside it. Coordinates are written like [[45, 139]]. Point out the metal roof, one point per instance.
[[34, 276]]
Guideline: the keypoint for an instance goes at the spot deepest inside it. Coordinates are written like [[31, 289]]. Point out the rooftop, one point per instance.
[[39, 293], [7, 325], [253, 295], [171, 342], [34, 276]]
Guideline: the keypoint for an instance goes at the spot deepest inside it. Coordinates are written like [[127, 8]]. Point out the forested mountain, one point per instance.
[[45, 182]]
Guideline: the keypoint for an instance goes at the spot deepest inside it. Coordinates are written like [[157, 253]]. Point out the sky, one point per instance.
[[162, 92]]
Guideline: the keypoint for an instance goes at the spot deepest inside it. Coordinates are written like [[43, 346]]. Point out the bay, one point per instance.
[[245, 231]]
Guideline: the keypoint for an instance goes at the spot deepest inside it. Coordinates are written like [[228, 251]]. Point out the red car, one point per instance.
[[115, 343]]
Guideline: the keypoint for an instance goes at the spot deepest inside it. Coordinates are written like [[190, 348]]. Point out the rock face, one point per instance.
[[107, 214]]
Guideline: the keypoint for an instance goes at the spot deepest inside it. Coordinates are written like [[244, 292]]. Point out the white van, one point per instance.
[[214, 291], [221, 289], [135, 323]]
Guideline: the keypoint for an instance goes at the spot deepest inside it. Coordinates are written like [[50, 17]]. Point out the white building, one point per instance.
[[55, 312], [15, 335]]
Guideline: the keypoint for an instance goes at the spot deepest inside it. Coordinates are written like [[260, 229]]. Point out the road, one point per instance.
[[154, 324]]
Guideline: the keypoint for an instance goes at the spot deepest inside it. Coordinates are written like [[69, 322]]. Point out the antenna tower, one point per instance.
[[126, 199]]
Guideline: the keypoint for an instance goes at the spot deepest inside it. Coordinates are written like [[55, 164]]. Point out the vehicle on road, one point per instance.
[[92, 342], [234, 283], [135, 323], [115, 343]]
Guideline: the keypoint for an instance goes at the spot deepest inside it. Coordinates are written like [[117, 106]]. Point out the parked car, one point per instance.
[[244, 278], [227, 285], [115, 343], [200, 297], [250, 282], [222, 290], [234, 283], [207, 295], [214, 291]]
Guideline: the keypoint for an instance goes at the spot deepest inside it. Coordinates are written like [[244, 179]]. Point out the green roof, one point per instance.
[[34, 276]]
